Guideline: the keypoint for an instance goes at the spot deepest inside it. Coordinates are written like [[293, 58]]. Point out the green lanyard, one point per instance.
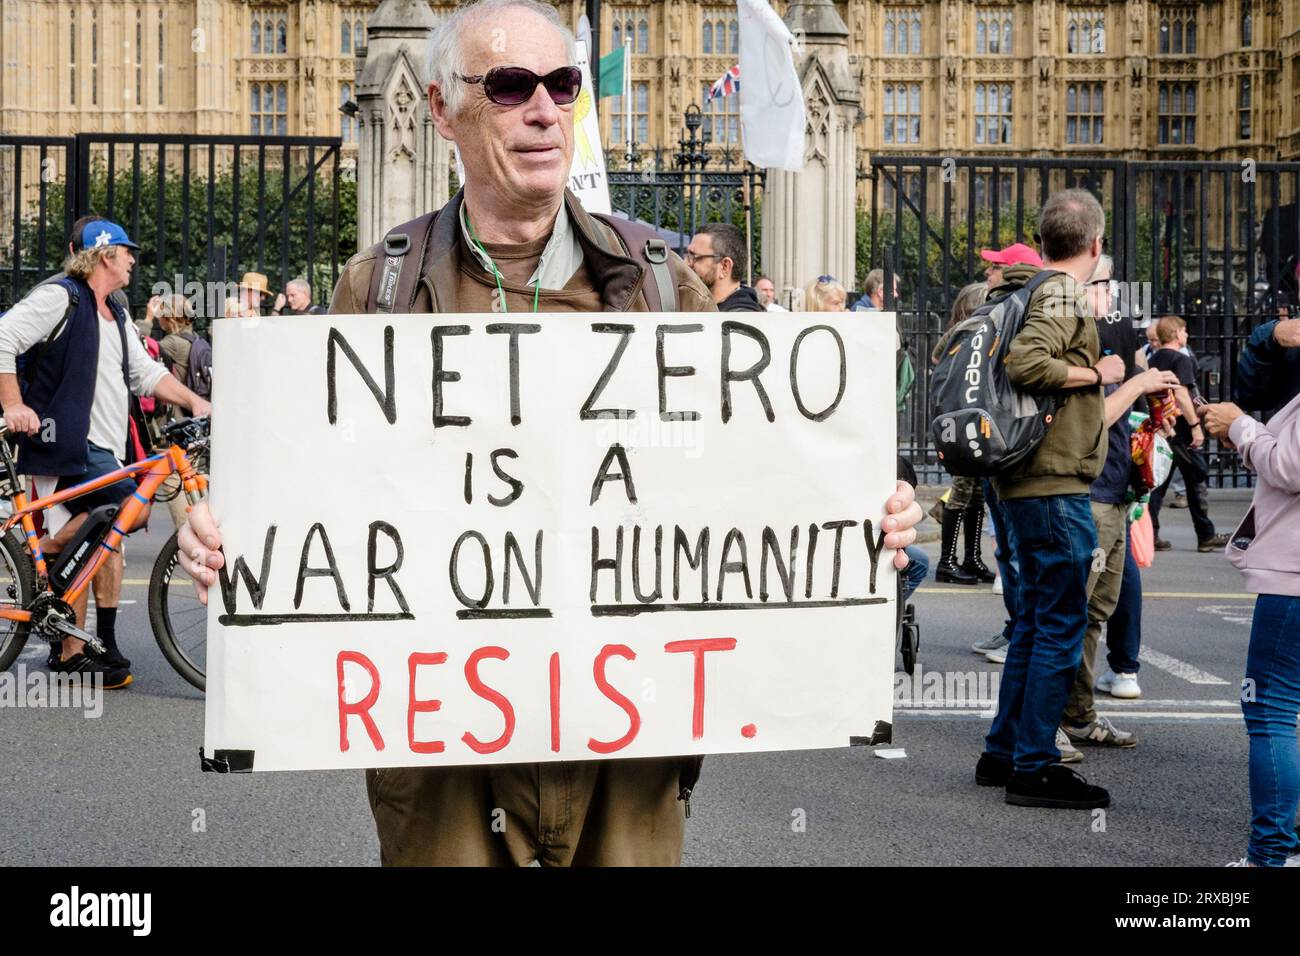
[[537, 286]]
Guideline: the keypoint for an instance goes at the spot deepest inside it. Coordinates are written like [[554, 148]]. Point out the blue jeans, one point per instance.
[[1054, 539], [917, 570], [1273, 665], [1124, 630], [1008, 567]]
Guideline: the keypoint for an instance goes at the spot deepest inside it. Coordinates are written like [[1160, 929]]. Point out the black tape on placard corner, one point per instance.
[[227, 761], [883, 734]]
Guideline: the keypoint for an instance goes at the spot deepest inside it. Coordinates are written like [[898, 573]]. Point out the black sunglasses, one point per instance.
[[512, 85]]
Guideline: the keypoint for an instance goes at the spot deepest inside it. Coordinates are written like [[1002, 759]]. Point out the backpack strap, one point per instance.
[[30, 368], [647, 247], [396, 275], [1039, 278]]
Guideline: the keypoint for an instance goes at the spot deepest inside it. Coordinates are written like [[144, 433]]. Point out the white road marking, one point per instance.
[[909, 705], [1178, 668], [1128, 716], [1235, 613]]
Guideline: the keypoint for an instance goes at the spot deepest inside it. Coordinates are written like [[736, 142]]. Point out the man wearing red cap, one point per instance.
[[1017, 254]]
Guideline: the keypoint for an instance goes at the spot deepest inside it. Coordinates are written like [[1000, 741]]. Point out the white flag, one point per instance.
[[772, 116], [587, 178]]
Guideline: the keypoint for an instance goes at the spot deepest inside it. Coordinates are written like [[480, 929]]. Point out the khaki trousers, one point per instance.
[[1104, 580], [579, 813]]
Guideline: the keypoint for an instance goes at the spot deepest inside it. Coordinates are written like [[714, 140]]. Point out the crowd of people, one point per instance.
[[1061, 517], [513, 239], [85, 391]]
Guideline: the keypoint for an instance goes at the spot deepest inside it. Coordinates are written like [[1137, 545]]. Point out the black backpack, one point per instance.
[[982, 423], [198, 370]]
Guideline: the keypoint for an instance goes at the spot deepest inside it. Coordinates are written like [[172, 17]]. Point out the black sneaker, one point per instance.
[[112, 656], [87, 666], [1055, 787], [992, 770]]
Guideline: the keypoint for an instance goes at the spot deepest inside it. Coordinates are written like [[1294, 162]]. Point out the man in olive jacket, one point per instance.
[[515, 240], [1048, 513]]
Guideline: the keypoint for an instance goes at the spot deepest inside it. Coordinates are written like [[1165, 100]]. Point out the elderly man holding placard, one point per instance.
[[503, 87]]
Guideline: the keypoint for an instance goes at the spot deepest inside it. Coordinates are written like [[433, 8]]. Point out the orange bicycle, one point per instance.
[[36, 594]]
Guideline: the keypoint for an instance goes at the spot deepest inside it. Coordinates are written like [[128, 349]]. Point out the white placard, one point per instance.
[[471, 458]]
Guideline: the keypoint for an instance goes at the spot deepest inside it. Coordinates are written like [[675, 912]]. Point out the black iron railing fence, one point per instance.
[[205, 209], [1213, 242]]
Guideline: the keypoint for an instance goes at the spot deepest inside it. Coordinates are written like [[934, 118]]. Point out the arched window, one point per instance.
[[643, 37], [979, 98], [1164, 36], [1191, 37], [916, 33], [981, 37], [1243, 101], [735, 36], [1006, 35], [358, 35], [255, 38], [281, 37], [1085, 37], [345, 38], [1071, 99], [268, 37], [1247, 24], [618, 35], [1073, 38], [94, 57], [139, 53], [1176, 41], [707, 38], [72, 58], [641, 112], [889, 37]]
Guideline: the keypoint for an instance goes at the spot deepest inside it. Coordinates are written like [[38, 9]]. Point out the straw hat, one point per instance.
[[256, 282]]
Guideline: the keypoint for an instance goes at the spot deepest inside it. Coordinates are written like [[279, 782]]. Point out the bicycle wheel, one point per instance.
[[17, 589], [179, 620]]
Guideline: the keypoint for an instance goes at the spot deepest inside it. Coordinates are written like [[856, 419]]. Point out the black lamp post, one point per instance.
[[692, 156], [691, 148]]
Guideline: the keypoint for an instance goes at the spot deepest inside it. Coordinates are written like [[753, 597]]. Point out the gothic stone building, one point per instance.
[[1137, 79]]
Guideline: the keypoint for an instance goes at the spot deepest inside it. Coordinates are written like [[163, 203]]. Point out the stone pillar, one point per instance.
[[402, 163], [809, 225]]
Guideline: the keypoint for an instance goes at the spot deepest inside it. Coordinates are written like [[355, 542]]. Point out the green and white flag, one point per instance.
[[613, 73]]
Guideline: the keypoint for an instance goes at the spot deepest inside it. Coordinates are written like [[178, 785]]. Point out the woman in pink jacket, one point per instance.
[[1266, 549]]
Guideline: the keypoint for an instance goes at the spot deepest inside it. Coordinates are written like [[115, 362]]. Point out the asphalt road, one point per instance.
[[126, 788]]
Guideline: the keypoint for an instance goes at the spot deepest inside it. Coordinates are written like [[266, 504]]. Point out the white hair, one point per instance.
[[298, 283], [1105, 267], [445, 54]]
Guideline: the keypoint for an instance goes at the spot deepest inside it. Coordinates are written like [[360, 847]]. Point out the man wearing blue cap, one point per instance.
[[68, 364]]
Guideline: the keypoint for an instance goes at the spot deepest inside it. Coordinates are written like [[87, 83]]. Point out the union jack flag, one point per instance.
[[727, 84]]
